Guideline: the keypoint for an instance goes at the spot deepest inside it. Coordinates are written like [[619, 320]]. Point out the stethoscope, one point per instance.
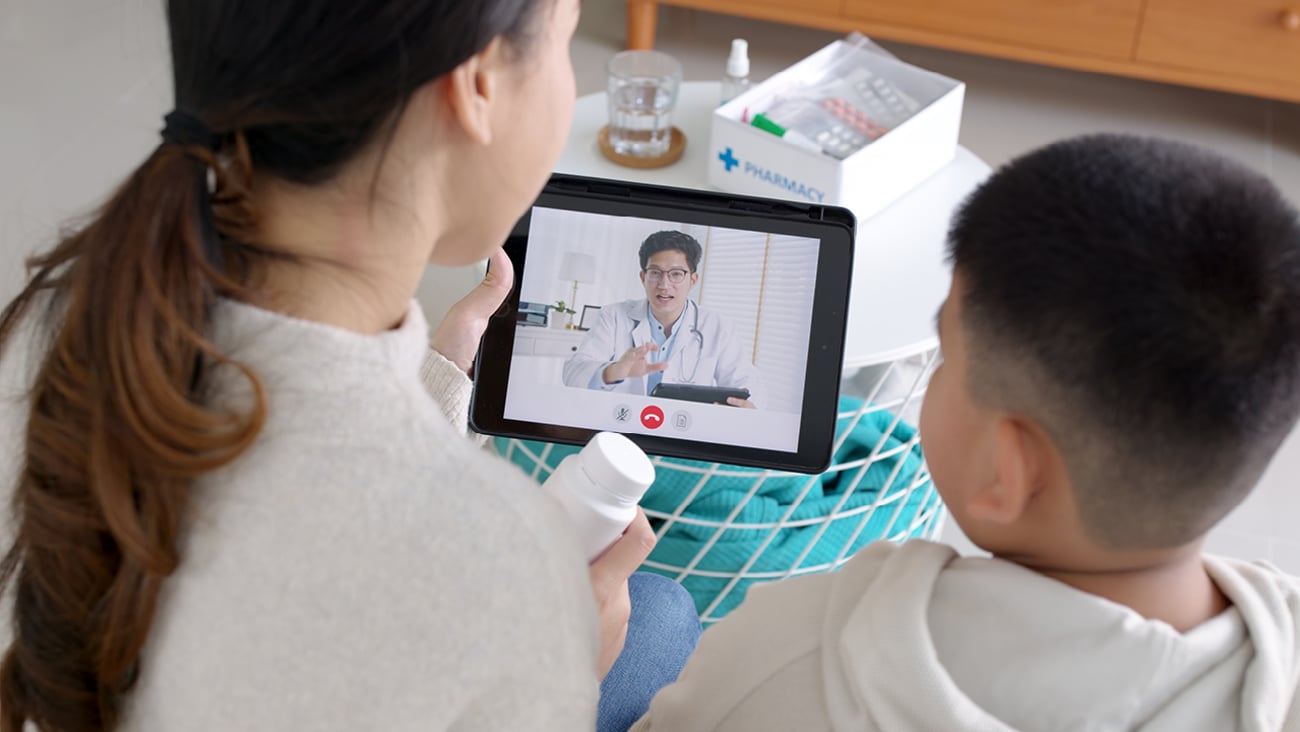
[[699, 355]]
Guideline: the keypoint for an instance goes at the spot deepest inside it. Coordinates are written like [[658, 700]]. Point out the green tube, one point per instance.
[[763, 122]]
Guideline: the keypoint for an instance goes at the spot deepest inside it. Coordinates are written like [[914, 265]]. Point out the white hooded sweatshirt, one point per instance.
[[914, 637]]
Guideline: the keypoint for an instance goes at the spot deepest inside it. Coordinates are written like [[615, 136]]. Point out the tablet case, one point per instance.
[[834, 226]]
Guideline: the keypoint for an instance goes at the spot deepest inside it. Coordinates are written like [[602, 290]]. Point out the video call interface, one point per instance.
[[666, 328]]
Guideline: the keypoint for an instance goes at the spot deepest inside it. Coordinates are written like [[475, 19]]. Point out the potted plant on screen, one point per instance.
[[561, 308]]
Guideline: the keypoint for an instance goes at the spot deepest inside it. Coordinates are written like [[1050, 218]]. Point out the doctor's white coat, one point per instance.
[[706, 351]]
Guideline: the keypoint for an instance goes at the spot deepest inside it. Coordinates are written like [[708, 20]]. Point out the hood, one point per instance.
[[918, 638]]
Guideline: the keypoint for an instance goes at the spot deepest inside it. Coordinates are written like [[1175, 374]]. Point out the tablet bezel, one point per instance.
[[833, 226]]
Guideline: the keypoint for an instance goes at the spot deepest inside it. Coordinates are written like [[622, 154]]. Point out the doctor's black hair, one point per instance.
[[666, 241], [118, 428], [1140, 299]]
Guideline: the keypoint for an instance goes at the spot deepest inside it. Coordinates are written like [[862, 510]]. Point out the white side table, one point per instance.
[[878, 487]]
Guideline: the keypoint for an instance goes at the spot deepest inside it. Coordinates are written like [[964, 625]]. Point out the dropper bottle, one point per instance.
[[736, 81]]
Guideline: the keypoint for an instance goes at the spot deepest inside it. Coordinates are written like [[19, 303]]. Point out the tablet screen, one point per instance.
[[706, 333], [664, 302]]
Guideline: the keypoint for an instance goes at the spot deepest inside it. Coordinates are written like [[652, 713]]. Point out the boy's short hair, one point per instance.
[[1139, 299], [664, 241]]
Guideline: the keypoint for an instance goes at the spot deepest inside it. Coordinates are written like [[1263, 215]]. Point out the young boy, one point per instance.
[[1122, 359]]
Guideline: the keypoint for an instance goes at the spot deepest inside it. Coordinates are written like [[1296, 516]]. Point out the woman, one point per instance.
[[238, 505]]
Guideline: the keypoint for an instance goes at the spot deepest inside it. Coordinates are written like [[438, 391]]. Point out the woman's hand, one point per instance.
[[458, 335], [609, 573]]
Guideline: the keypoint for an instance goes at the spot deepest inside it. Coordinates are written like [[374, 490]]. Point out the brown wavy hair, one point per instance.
[[118, 427]]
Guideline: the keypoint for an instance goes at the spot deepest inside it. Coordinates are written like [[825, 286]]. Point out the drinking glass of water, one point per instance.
[[642, 93]]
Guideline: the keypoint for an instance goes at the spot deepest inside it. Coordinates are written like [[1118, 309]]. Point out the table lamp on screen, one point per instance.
[[576, 267]]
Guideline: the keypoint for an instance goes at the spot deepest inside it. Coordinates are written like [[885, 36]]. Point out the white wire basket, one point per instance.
[[722, 528]]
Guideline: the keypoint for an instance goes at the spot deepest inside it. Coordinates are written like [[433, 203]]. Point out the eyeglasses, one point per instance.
[[675, 276]]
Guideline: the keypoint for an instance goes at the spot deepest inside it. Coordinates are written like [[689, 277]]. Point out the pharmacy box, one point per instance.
[[850, 125]]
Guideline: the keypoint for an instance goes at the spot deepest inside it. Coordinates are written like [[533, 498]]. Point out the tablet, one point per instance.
[[658, 301], [699, 393]]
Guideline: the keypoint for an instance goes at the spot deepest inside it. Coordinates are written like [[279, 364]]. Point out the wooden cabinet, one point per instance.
[[810, 6], [1094, 27], [1245, 46], [1248, 39]]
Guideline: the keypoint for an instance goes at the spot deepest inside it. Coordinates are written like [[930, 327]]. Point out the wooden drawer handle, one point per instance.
[[1291, 19]]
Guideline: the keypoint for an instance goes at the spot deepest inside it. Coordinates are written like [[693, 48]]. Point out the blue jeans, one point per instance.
[[661, 634]]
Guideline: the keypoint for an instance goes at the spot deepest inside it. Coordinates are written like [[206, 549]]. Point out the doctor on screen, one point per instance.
[[664, 337]]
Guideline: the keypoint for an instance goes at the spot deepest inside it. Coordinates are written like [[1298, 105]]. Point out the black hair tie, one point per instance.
[[186, 130], [183, 128]]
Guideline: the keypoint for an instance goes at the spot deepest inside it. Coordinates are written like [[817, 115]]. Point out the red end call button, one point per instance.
[[652, 417]]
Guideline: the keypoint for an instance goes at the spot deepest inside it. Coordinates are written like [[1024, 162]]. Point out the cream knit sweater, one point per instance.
[[362, 566]]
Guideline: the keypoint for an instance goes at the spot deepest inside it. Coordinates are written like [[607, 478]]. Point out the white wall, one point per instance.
[[84, 85], [83, 88]]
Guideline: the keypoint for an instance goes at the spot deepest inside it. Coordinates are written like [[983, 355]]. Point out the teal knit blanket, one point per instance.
[[777, 524]]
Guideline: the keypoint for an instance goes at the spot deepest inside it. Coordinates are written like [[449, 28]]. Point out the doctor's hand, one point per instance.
[[738, 402], [609, 574], [459, 332], [633, 364]]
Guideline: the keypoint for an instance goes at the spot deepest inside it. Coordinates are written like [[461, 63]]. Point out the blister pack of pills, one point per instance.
[[848, 106]]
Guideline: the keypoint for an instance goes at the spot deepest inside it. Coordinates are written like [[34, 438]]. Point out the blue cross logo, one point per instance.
[[728, 159]]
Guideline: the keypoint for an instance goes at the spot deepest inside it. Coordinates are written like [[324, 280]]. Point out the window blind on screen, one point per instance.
[[763, 284]]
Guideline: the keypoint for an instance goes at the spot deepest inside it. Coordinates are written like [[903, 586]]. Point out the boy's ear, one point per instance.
[[471, 89], [1017, 448]]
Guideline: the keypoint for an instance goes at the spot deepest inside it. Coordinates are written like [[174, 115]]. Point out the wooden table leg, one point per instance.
[[641, 17]]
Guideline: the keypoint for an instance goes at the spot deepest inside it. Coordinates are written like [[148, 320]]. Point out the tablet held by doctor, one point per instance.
[[664, 338]]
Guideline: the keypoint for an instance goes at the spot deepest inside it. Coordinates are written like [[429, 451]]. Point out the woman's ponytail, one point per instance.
[[117, 428]]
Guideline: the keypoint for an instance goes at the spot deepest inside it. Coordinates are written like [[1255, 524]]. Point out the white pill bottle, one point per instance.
[[599, 487]]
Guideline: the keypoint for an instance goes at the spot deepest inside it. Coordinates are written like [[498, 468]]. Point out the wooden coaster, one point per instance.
[[676, 146]]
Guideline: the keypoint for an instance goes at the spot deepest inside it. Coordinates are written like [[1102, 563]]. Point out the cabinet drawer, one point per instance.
[[811, 7], [556, 347], [1248, 38], [1106, 28], [531, 341]]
